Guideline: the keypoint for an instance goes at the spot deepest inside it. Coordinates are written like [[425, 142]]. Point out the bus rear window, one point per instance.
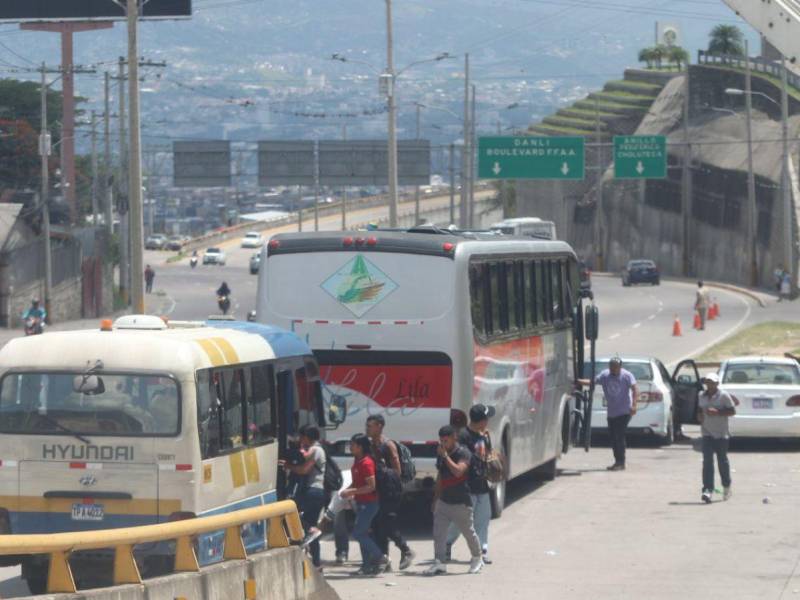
[[117, 404]]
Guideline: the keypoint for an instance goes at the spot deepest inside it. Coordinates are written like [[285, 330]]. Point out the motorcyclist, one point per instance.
[[36, 311], [223, 290]]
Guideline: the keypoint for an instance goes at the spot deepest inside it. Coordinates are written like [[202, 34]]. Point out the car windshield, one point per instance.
[[120, 404], [642, 371], [762, 374], [252, 235]]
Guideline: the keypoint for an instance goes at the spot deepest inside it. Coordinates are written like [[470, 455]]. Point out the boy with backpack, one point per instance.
[[387, 455]]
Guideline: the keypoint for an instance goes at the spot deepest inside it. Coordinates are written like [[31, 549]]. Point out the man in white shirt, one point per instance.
[[714, 408]]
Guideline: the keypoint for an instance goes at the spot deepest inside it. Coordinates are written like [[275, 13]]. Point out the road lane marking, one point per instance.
[[637, 325], [615, 336], [651, 317]]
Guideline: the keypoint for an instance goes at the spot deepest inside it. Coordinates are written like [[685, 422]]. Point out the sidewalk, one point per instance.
[[155, 304]]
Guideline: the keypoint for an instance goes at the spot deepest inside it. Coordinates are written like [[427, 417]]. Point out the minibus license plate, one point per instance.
[[762, 402], [87, 512]]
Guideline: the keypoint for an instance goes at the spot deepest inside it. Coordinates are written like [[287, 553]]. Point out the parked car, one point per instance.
[[157, 241], [255, 263], [654, 410], [176, 242], [213, 256], [640, 271], [252, 239], [766, 390]]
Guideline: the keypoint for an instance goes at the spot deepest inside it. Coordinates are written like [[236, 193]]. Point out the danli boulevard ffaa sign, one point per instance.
[[529, 157]]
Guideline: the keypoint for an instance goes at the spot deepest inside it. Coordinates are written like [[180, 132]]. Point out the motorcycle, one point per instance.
[[34, 326], [224, 303], [193, 262]]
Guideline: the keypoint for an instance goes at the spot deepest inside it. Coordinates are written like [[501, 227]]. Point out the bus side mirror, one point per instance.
[[592, 323], [337, 411]]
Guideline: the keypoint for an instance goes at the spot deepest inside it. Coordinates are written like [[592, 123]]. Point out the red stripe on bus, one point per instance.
[[77, 465]]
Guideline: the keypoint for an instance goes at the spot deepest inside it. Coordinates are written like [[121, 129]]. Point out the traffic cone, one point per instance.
[[716, 308], [711, 313], [696, 320], [676, 327]]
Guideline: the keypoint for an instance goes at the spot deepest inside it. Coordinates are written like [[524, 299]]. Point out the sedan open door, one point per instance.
[[687, 385]]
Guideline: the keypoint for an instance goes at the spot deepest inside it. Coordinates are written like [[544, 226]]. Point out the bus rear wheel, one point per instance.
[[497, 495]]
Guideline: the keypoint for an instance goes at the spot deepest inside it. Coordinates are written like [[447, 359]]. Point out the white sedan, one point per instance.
[[213, 256], [656, 396], [767, 392], [252, 239]]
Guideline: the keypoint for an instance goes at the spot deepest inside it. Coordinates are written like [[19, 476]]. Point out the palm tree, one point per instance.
[[646, 56], [677, 56], [726, 39], [659, 54]]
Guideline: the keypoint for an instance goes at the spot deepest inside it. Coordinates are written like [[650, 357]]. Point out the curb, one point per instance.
[[755, 296]]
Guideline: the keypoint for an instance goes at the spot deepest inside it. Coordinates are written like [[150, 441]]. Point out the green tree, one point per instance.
[[21, 100], [659, 55], [647, 56], [19, 154], [726, 39], [677, 56]]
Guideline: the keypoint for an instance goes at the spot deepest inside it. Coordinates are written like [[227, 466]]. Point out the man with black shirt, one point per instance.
[[387, 461], [475, 438], [452, 502]]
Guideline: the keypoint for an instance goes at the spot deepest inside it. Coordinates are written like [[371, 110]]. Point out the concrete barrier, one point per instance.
[[277, 574]]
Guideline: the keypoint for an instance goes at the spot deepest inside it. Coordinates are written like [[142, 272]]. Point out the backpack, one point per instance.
[[332, 480], [408, 472], [388, 484]]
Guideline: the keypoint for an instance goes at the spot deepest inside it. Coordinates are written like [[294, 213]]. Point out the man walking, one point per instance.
[[714, 408], [149, 276], [621, 393], [701, 302], [475, 438], [390, 488], [452, 503]]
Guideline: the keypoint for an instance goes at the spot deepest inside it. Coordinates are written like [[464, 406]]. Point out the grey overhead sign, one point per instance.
[[202, 164], [342, 163]]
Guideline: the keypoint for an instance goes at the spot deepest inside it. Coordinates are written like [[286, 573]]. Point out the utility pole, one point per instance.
[[752, 222], [316, 186], [122, 195], [788, 222], [416, 189], [471, 161], [135, 163], [108, 194], [95, 173], [598, 221], [44, 151], [392, 118], [344, 189], [687, 204], [452, 183], [463, 209]]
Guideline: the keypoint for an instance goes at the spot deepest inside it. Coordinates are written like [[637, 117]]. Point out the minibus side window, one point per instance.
[[260, 404], [306, 407], [207, 415], [233, 418]]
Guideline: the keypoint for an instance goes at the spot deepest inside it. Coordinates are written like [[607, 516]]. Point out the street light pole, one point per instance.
[[135, 163], [416, 190], [392, 108], [752, 226], [788, 221], [463, 209]]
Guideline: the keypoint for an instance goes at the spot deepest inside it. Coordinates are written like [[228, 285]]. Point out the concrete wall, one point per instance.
[[278, 573]]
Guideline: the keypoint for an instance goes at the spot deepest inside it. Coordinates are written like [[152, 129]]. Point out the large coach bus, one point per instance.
[[139, 422], [420, 325]]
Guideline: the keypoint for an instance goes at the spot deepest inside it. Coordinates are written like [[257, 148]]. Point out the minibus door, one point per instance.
[[286, 390]]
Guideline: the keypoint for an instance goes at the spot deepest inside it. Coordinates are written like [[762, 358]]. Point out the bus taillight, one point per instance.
[[347, 242]]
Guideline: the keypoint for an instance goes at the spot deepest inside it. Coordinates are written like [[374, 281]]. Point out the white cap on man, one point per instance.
[[712, 377]]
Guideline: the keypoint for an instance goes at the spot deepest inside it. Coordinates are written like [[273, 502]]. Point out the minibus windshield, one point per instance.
[[71, 403]]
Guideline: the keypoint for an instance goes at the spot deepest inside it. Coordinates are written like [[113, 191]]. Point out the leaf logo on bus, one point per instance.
[[359, 285]]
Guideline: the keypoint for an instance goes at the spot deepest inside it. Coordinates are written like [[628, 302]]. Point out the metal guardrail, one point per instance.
[[284, 526], [757, 65]]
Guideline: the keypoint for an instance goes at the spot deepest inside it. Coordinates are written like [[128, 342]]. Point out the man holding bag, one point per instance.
[[475, 438]]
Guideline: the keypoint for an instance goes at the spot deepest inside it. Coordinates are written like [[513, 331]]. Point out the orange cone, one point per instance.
[[711, 313], [716, 308], [696, 320], [676, 327]]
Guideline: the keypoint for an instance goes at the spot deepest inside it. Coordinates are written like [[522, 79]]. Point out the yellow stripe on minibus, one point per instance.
[[214, 354], [140, 506], [251, 465], [237, 469], [227, 350]]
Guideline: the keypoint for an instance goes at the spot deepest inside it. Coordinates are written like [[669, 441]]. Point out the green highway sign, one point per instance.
[[640, 156], [528, 157]]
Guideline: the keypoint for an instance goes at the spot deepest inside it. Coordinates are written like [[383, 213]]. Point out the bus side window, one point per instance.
[[477, 307], [233, 419], [557, 293], [531, 289], [494, 277], [207, 414], [306, 407], [260, 386], [519, 294], [510, 297]]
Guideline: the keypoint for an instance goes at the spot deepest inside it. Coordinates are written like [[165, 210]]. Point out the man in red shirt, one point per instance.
[[362, 490]]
